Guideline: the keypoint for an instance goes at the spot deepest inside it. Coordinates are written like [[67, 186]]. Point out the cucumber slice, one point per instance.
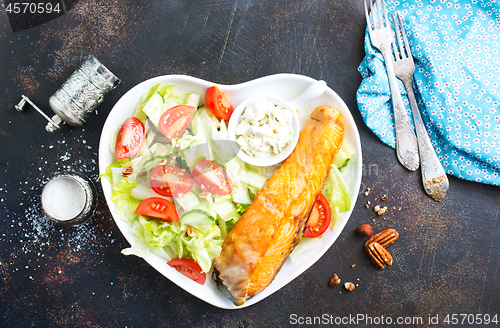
[[225, 208], [153, 162], [222, 227], [188, 201], [193, 100], [143, 192], [343, 156], [198, 219], [154, 108]]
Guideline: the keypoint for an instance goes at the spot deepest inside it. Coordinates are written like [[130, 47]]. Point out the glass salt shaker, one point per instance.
[[69, 198]]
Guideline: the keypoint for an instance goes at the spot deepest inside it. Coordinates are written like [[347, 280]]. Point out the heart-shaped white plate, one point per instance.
[[284, 86]]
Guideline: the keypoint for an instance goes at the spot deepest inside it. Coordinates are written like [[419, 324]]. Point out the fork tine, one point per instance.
[[374, 17], [387, 24], [398, 37], [393, 43], [368, 23], [395, 50], [379, 11], [405, 39]]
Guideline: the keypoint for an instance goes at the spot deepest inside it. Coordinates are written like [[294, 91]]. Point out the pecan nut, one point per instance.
[[364, 230], [385, 238], [379, 256], [127, 171], [190, 232]]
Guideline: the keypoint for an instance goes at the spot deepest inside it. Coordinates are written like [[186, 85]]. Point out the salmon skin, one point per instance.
[[260, 242]]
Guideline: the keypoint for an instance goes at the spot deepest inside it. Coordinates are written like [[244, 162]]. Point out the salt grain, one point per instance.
[[27, 228]]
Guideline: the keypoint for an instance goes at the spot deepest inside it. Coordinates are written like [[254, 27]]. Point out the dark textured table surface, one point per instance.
[[446, 261]]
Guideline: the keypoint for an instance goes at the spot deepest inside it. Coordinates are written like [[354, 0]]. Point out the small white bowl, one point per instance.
[[313, 91]]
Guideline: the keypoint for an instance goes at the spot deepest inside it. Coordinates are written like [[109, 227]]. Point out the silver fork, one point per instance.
[[433, 176], [381, 38]]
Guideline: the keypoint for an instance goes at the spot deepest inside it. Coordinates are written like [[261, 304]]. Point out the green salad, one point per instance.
[[176, 178]]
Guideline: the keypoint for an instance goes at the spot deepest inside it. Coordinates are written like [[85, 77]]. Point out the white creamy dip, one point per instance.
[[264, 128]]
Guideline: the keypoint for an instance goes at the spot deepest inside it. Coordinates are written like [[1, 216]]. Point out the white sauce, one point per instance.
[[63, 198], [264, 128]]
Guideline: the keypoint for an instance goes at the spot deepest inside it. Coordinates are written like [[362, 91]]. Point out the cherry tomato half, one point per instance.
[[130, 138], [218, 104], [211, 177], [175, 121], [190, 269], [171, 181], [158, 208], [320, 218]]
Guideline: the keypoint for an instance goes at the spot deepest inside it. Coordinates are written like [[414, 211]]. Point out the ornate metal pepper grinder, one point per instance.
[[79, 96]]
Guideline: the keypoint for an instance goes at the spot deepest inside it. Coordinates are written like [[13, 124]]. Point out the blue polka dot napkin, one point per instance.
[[456, 49]]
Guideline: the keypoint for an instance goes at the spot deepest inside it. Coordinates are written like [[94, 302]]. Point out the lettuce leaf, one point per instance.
[[139, 113], [108, 174], [125, 203], [203, 247], [335, 191]]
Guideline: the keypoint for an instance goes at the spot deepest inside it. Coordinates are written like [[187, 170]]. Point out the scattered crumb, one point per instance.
[[380, 210], [353, 265], [349, 286], [334, 281], [367, 191]]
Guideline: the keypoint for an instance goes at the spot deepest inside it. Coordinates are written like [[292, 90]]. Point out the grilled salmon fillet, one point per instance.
[[268, 231]]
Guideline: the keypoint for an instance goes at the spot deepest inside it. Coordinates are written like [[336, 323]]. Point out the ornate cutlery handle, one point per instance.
[[433, 176], [406, 141]]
